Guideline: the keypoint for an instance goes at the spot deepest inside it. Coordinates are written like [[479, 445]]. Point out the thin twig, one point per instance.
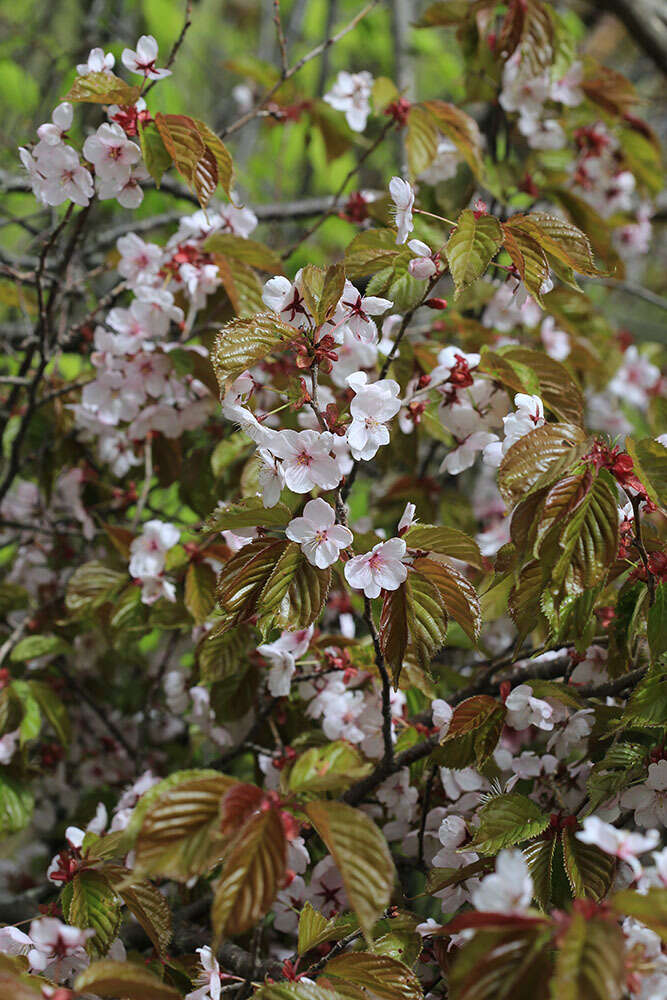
[[177, 44], [386, 685]]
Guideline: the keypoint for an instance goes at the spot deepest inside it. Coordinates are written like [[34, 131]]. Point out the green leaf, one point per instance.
[[251, 875], [460, 129], [562, 239], [650, 464], [527, 256], [471, 247], [330, 768], [539, 458], [91, 586], [442, 878], [294, 991], [650, 907], [192, 154], [473, 733], [506, 820], [153, 150], [176, 836], [53, 709], [457, 593], [31, 720], [648, 702], [444, 14], [370, 252], [102, 88], [502, 964], [590, 961], [243, 578], [34, 646], [314, 929], [535, 372], [539, 856], [421, 141], [361, 855], [16, 804], [322, 290], [357, 973], [249, 513], [589, 870], [123, 979], [242, 286], [242, 248], [306, 596], [657, 622], [446, 541], [90, 902], [243, 342], [199, 591], [145, 902]]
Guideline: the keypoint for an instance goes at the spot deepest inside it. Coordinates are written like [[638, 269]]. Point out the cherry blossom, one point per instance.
[[635, 378], [112, 154], [208, 978], [354, 313], [649, 800], [142, 59], [556, 342], [285, 298], [373, 405], [58, 176], [98, 62], [320, 538], [509, 889], [425, 262], [380, 569], [148, 552], [57, 948], [282, 655], [445, 163], [55, 132], [528, 416], [139, 262], [307, 461], [524, 710], [627, 846], [442, 714], [403, 198], [351, 93]]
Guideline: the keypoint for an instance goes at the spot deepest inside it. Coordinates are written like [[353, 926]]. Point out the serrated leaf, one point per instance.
[[306, 596], [249, 513], [153, 150], [90, 586], [244, 576], [330, 768], [242, 286], [553, 382], [102, 88], [539, 458], [527, 256], [53, 709], [191, 154], [176, 838], [247, 251], [473, 733], [647, 705], [608, 88], [123, 979], [243, 342], [446, 541], [506, 820], [471, 247], [220, 153], [91, 903], [200, 591], [314, 929], [421, 141], [590, 961], [251, 875], [460, 129], [16, 805], [294, 991], [539, 856], [457, 592], [649, 907], [361, 855], [322, 290], [145, 902], [512, 963], [563, 240], [657, 622], [370, 252], [221, 654], [356, 973], [589, 870], [649, 458], [414, 613]]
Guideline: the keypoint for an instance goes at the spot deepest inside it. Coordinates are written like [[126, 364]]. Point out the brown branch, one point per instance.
[[388, 759]]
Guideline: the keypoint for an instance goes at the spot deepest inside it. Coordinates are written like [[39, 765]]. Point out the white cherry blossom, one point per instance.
[[373, 405], [509, 889], [380, 569], [307, 462], [649, 800], [148, 551], [282, 655], [98, 62], [111, 153], [320, 538], [208, 979], [403, 197], [524, 710], [55, 132], [424, 264], [623, 844], [351, 93], [354, 313], [142, 59]]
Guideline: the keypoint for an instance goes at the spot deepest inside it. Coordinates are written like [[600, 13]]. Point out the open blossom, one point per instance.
[[320, 538], [307, 462], [373, 405], [148, 552], [509, 889], [139, 261], [649, 800], [282, 655], [270, 478], [142, 59], [354, 313], [380, 569], [57, 175], [524, 710], [111, 153], [351, 93], [404, 198], [208, 979], [528, 416], [55, 131], [623, 844], [57, 946], [635, 378], [442, 714], [98, 62], [285, 298]]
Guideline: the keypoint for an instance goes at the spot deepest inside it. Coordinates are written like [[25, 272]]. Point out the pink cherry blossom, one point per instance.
[[307, 462], [320, 538], [424, 264], [111, 153], [622, 844], [149, 550], [380, 569], [208, 979], [142, 59], [373, 405]]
